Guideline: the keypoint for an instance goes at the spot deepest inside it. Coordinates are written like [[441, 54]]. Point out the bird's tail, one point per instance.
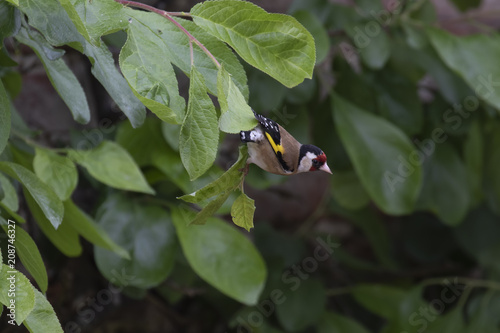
[[250, 136], [245, 136]]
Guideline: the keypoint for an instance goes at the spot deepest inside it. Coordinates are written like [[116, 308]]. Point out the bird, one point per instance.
[[275, 150]]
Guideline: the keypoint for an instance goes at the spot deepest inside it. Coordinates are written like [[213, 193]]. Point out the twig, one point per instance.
[[36, 144], [168, 16], [464, 280]]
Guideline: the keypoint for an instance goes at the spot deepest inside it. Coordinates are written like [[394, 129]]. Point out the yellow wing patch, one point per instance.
[[276, 147]]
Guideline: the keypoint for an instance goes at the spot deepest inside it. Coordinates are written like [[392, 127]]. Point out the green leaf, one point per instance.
[[65, 237], [148, 148], [50, 205], [29, 255], [146, 232], [374, 47], [43, 14], [22, 155], [348, 191], [227, 182], [105, 71], [424, 12], [403, 317], [4, 117], [171, 133], [236, 115], [11, 213], [377, 52], [356, 88], [10, 199], [303, 93], [265, 92], [479, 69], [474, 156], [112, 165], [380, 299], [14, 2], [18, 123], [274, 43], [222, 256], [444, 191], [57, 171], [319, 33], [199, 135], [61, 77], [79, 24], [210, 209], [10, 21], [149, 74], [95, 18], [338, 16], [89, 230], [302, 307], [242, 211], [398, 101], [24, 292], [483, 316], [367, 6], [335, 323], [464, 5], [476, 235], [451, 85], [451, 119], [491, 175], [43, 317], [175, 48], [12, 82], [450, 322], [378, 150], [415, 37], [321, 8]]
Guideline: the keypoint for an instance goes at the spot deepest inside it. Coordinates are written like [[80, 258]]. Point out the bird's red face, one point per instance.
[[319, 163]]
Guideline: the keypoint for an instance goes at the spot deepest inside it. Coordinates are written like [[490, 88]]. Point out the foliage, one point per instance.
[[406, 112]]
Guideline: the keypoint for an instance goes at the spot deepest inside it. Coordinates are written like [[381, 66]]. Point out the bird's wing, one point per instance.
[[272, 131]]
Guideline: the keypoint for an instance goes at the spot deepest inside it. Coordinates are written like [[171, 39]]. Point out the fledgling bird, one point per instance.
[[274, 150]]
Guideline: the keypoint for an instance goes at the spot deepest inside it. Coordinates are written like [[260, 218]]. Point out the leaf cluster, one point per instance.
[[406, 112]]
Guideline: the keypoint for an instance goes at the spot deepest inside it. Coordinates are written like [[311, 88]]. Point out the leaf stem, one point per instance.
[[179, 14], [464, 280], [469, 282], [36, 144], [191, 53], [169, 16]]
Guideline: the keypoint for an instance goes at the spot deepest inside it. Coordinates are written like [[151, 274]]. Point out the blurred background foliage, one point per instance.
[[402, 238]]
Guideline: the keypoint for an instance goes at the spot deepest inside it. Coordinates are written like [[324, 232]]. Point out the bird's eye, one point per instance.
[[315, 163]]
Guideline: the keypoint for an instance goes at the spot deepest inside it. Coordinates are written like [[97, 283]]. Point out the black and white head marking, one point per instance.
[[311, 158]]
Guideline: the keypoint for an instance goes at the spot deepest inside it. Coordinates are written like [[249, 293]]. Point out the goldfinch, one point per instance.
[[274, 150]]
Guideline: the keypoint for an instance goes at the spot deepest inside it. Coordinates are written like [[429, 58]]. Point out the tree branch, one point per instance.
[[169, 16]]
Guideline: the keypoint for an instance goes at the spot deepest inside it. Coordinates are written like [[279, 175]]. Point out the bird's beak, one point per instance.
[[325, 168]]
